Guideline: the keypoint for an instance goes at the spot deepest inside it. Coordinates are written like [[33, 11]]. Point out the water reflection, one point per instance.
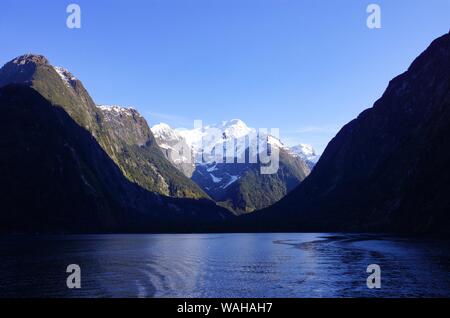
[[224, 265]]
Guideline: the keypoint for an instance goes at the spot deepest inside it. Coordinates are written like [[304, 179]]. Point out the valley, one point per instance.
[[70, 165]]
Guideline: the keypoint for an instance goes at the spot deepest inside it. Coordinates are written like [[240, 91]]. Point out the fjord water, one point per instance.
[[224, 265]]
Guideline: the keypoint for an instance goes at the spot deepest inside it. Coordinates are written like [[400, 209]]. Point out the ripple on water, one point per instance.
[[228, 265]]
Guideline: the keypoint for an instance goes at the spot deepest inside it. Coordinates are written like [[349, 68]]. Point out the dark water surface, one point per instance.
[[224, 265]]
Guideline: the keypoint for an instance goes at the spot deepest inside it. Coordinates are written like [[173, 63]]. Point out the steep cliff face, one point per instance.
[[56, 178], [127, 125], [125, 136], [140, 157], [386, 170], [66, 167]]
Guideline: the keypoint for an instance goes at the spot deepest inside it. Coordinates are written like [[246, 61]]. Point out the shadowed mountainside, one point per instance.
[[133, 147], [387, 170], [57, 178]]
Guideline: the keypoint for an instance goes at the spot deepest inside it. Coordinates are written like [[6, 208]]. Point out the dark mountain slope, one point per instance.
[[387, 170], [42, 174], [60, 87], [57, 178]]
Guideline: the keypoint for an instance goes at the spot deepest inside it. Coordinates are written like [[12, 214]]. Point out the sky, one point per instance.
[[306, 67]]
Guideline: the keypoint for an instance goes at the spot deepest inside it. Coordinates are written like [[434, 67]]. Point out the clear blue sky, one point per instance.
[[306, 67]]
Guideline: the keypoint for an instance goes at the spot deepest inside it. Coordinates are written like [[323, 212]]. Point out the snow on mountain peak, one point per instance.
[[304, 149], [215, 134], [164, 131], [162, 127], [274, 141], [175, 147], [233, 123], [305, 152], [116, 110], [235, 129], [65, 75], [205, 138]]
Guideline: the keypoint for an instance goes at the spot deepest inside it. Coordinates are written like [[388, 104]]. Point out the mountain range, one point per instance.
[[236, 184], [70, 166]]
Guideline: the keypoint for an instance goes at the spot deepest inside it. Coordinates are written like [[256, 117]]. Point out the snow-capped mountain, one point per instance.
[[65, 75], [205, 138], [236, 129], [306, 152], [303, 151], [175, 148], [117, 110], [229, 181]]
